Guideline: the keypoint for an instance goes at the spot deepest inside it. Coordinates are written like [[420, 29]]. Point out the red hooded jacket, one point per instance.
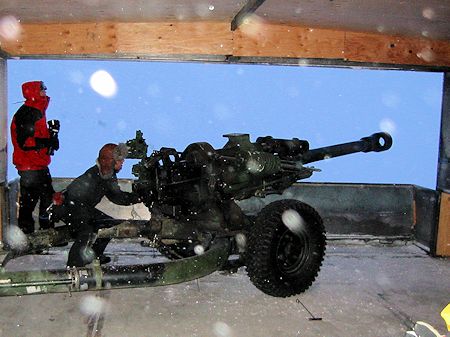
[[29, 130]]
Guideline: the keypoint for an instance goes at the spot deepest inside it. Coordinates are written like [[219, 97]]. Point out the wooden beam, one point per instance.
[[365, 47], [248, 9], [272, 40], [443, 237], [254, 38], [64, 39], [113, 39], [176, 38]]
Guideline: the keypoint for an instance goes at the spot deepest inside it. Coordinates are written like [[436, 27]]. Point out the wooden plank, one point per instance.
[[254, 38], [204, 38], [257, 38], [63, 39], [443, 237], [366, 47], [112, 38]]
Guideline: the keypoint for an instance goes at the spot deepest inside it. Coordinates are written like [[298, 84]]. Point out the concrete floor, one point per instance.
[[362, 290]]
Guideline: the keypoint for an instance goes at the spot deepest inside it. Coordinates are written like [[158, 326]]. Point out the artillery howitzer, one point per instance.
[[197, 224], [199, 186]]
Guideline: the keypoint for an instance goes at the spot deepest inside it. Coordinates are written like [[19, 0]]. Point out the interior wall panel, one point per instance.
[[365, 210], [426, 213]]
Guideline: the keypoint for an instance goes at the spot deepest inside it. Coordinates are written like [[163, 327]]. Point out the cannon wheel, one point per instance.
[[281, 262]]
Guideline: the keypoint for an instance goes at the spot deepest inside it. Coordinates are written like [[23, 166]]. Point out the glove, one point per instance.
[[53, 145], [53, 126], [50, 143]]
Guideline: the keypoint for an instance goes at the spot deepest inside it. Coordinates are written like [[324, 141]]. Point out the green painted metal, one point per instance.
[[34, 282], [96, 277]]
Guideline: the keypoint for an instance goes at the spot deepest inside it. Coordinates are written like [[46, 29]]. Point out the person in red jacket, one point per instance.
[[34, 141]]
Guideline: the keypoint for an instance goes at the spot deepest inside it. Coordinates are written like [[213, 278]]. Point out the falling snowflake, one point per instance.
[[429, 13], [10, 28], [292, 220], [16, 239], [93, 305], [390, 100], [199, 250], [241, 242], [252, 25], [253, 166], [87, 254], [103, 84], [387, 125], [222, 329], [426, 54]]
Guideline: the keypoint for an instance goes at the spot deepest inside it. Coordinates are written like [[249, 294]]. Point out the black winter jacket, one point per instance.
[[88, 189]]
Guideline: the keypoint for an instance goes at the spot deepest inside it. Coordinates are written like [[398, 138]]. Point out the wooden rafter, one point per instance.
[[215, 40]]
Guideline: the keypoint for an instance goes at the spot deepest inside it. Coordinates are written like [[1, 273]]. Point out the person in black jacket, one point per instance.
[[78, 210]]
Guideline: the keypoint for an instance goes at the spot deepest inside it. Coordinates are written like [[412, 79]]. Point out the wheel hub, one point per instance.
[[292, 251]]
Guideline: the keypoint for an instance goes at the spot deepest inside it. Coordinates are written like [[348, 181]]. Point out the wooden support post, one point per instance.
[[3, 146], [443, 236]]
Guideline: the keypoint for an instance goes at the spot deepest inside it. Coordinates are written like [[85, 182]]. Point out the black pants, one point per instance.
[[34, 186], [84, 223]]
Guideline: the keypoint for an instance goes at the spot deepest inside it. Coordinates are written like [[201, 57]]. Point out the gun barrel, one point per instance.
[[380, 141]]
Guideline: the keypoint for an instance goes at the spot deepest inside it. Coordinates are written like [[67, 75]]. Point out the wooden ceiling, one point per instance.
[[384, 33]]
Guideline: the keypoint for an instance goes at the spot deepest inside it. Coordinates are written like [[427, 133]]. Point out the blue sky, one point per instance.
[[176, 104]]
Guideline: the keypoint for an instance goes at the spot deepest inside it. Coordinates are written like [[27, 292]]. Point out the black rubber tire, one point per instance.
[[280, 262]]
